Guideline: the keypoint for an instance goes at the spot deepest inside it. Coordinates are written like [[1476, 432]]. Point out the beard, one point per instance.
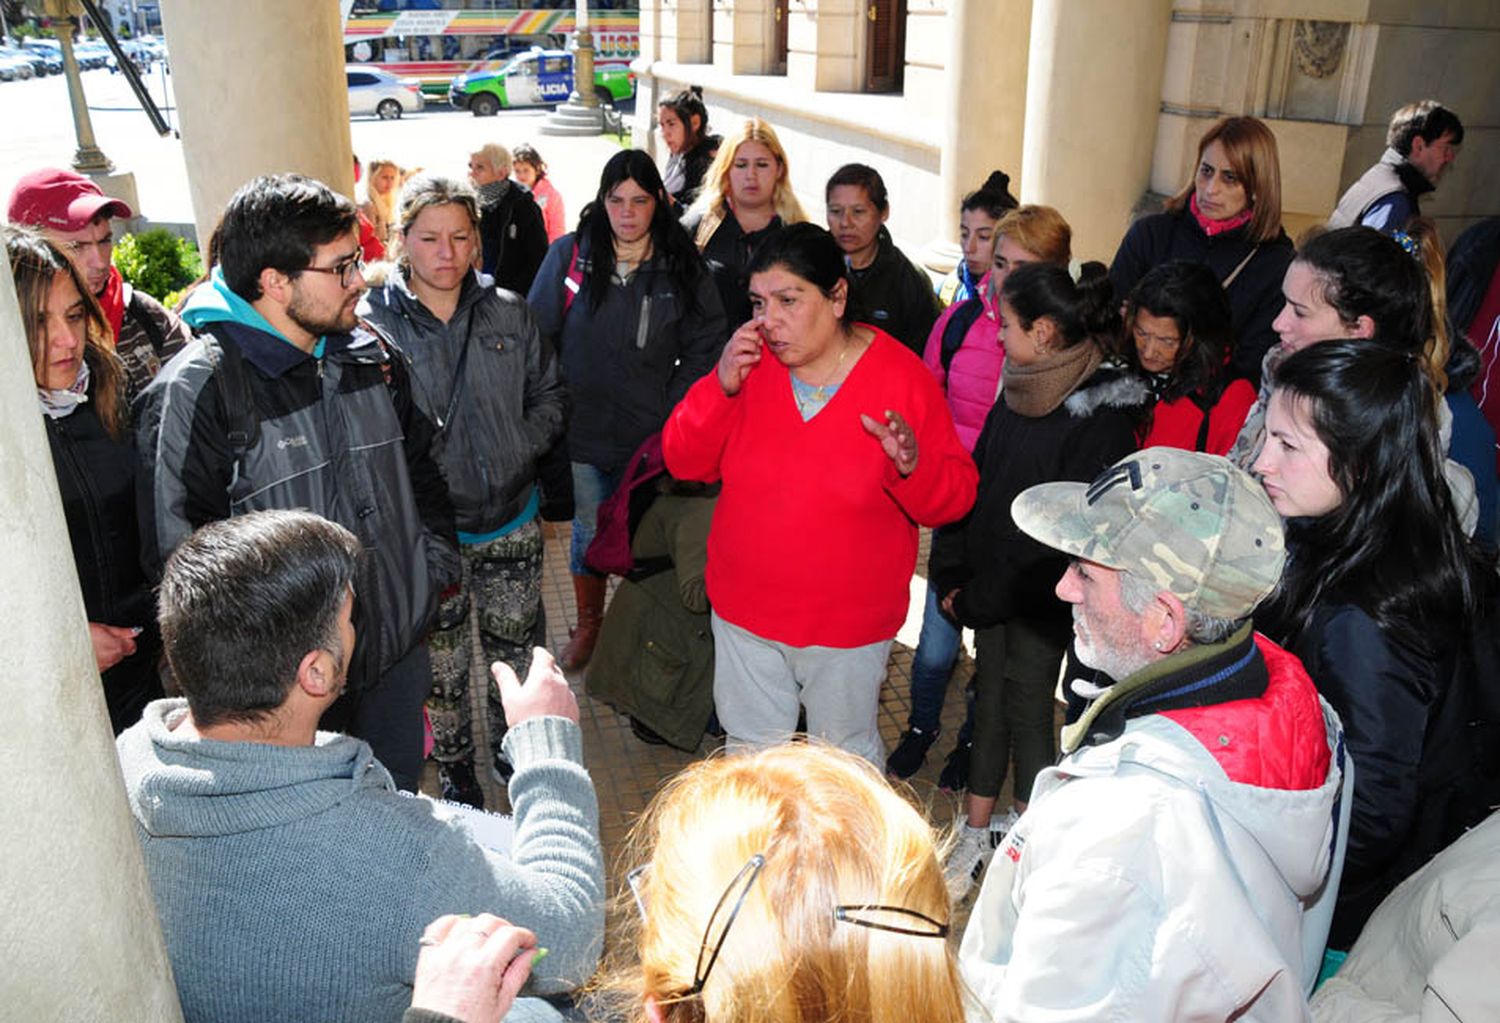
[[321, 321], [1115, 660]]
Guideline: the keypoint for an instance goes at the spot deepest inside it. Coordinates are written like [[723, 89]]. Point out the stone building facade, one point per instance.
[[1093, 106]]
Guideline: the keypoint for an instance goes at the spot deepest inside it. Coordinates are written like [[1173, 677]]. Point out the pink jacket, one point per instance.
[[551, 201], [973, 378]]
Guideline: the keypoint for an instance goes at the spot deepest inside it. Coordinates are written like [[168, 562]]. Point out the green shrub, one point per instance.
[[158, 262]]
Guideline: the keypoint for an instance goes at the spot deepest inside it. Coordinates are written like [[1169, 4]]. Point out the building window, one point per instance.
[[885, 45]]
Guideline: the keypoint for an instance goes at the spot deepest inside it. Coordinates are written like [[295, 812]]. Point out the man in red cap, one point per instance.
[[75, 216]]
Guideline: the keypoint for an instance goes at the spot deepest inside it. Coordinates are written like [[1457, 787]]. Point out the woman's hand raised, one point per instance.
[[740, 356], [896, 439]]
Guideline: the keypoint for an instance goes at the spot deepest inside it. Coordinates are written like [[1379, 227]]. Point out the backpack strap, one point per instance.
[[138, 312], [572, 280], [241, 417], [957, 329]]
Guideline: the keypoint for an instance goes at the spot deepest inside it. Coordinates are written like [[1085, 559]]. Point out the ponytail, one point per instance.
[[1420, 239], [1085, 311]]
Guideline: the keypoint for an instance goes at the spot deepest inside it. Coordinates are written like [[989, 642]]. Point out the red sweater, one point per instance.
[[814, 536], [1175, 424]]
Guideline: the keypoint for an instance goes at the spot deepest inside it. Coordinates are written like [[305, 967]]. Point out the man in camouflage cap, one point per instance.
[[1176, 862]]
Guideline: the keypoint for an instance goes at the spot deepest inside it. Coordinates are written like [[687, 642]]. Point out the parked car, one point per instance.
[[10, 68], [91, 54], [535, 78], [373, 90], [40, 66]]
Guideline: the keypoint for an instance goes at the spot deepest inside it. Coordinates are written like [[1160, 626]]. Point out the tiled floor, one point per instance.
[[627, 772]]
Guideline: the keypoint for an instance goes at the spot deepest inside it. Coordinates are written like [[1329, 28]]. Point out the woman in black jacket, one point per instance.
[[81, 389], [1381, 599], [634, 317], [885, 289], [1063, 414], [1228, 218], [683, 120]]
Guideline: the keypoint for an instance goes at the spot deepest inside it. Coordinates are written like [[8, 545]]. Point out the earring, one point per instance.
[[1156, 645]]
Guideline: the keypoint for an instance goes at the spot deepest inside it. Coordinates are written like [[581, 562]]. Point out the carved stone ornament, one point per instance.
[[1318, 46]]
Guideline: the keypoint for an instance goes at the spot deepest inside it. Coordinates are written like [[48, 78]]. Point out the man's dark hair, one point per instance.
[[1426, 118], [242, 601], [278, 221]]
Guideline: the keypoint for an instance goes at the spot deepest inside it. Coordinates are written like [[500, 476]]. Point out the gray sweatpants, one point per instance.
[[759, 683]]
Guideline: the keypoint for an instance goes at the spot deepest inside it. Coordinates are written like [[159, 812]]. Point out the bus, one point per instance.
[[435, 46]]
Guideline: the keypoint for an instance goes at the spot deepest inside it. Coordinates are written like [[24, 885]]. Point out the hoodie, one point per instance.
[[293, 882], [334, 431], [1161, 870]]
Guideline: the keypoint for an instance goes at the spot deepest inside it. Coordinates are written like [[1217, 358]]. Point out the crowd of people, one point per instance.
[[1228, 500]]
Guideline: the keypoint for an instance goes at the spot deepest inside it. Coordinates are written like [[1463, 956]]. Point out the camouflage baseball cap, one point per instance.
[[1194, 524]]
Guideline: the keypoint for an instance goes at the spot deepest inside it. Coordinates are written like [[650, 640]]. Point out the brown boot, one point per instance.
[[588, 591]]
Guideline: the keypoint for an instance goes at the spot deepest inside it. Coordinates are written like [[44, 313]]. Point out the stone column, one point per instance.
[[260, 90], [984, 109], [79, 935], [1093, 92]]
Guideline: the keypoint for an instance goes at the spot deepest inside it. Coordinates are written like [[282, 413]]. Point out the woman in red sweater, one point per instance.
[[1178, 336], [831, 453]]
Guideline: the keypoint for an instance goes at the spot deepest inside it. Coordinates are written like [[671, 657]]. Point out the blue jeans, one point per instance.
[[937, 651], [591, 485]]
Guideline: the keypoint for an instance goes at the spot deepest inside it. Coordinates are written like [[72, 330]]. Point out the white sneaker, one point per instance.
[[966, 860], [1001, 825]]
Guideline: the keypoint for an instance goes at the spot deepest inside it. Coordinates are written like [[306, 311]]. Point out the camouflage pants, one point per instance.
[[502, 584]]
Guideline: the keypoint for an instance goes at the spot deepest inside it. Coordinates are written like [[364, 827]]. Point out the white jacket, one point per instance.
[[1428, 953], [1143, 884]]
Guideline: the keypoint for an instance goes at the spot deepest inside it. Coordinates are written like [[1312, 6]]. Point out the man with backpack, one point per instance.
[[284, 400]]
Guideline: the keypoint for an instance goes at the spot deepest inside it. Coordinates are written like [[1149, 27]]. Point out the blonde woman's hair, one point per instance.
[[1423, 234], [713, 200], [425, 191], [1040, 230], [833, 833], [1251, 150], [383, 204]]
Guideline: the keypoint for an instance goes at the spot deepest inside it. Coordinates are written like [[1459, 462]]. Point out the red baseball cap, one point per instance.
[[61, 200]]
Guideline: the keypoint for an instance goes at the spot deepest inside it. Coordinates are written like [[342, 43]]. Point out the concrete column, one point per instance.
[[260, 90], [984, 112], [79, 935], [1093, 92]]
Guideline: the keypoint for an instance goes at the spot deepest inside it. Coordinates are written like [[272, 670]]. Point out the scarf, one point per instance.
[[491, 193], [59, 404], [1039, 389], [629, 256], [113, 303], [1213, 227]]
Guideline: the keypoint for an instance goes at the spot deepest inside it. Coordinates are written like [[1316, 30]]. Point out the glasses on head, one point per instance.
[[893, 919], [741, 882], [346, 269]]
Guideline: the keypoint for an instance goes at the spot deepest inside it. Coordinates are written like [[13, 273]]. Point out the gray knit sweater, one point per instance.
[[294, 882]]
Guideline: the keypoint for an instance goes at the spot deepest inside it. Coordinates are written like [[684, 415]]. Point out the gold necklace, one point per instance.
[[820, 395]]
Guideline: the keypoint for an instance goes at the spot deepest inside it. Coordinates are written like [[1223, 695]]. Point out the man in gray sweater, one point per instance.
[[292, 880]]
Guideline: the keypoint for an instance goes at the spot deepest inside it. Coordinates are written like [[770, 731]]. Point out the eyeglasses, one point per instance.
[[894, 919], [346, 269]]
